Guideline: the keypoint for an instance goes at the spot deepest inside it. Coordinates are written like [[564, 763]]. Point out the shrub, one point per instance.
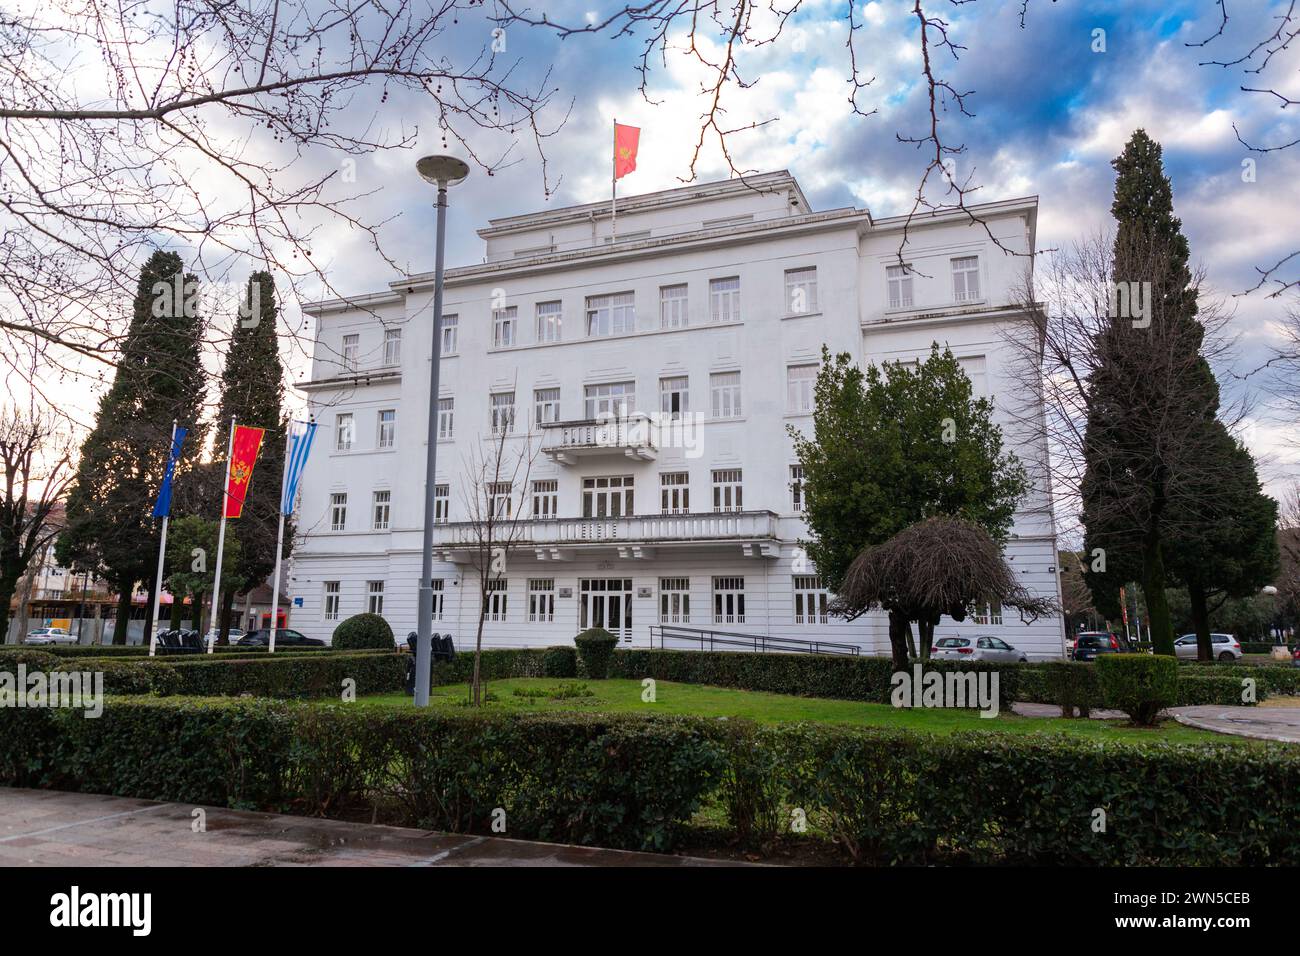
[[595, 648], [130, 677], [11, 657], [560, 662], [297, 676], [1071, 685], [1141, 685], [363, 631]]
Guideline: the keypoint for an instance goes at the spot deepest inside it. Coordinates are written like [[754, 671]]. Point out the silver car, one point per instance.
[[1226, 647], [42, 636], [982, 647]]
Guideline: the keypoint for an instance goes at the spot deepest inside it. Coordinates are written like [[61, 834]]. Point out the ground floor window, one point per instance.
[[674, 600], [810, 599], [987, 614], [541, 599], [496, 600], [728, 600], [375, 597], [438, 595], [333, 598]]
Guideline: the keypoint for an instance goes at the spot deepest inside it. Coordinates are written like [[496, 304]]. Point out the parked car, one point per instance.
[[1226, 647], [45, 636], [982, 647], [1295, 656], [1088, 645], [233, 635], [284, 637]]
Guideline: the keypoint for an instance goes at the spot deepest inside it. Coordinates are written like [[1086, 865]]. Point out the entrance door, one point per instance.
[[607, 603]]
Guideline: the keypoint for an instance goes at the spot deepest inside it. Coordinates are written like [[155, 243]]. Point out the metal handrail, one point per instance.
[[709, 640]]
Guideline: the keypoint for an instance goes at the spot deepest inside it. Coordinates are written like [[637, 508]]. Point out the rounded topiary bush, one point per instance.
[[11, 657], [595, 651], [560, 662], [363, 631], [1141, 685]]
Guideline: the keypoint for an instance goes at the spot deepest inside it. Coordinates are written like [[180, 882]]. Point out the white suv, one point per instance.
[[1226, 647]]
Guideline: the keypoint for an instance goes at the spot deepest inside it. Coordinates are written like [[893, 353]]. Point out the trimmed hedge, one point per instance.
[[142, 650], [1141, 685], [632, 781], [363, 631], [595, 650]]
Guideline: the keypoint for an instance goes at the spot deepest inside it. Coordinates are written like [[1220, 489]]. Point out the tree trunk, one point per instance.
[[122, 620], [227, 603], [925, 630], [196, 613], [900, 634], [1201, 621], [475, 695], [1153, 588], [178, 607], [8, 584]]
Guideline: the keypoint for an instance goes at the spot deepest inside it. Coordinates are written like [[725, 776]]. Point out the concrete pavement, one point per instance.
[[1263, 723]]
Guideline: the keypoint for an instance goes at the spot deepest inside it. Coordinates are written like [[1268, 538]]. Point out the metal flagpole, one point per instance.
[[162, 550], [279, 541], [613, 188], [221, 535]]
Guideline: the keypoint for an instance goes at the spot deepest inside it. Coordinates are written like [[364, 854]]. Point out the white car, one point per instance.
[[979, 648], [232, 637], [1226, 647], [49, 635]]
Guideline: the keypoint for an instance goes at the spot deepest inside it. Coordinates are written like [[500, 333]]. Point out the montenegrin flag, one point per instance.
[[626, 140], [243, 456]]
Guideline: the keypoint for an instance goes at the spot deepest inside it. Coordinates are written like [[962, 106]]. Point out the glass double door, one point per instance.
[[607, 603]]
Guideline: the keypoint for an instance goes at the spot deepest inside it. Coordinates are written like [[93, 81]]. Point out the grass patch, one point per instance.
[[540, 694]]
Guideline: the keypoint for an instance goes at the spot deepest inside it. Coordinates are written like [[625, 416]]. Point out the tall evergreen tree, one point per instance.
[[110, 531], [252, 391], [1153, 394]]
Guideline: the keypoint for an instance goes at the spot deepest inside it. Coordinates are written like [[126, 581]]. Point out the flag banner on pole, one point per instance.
[[300, 439], [243, 456], [163, 506], [626, 141]]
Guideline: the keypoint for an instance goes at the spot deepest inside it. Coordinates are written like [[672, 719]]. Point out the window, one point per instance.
[[441, 503], [383, 509], [797, 499], [503, 413], [674, 396], [504, 327], [673, 312], [392, 346], [549, 318], [966, 278], [674, 600], [725, 389], [608, 497], [351, 348], [500, 499], [344, 431], [611, 314], [728, 600], [799, 382], [615, 400], [546, 405], [801, 290], [727, 490], [338, 510], [333, 599], [450, 328], [387, 430], [496, 600], [546, 499], [810, 599], [898, 279], [375, 597], [541, 600], [987, 614], [438, 595], [675, 493], [446, 418], [976, 369], [724, 299]]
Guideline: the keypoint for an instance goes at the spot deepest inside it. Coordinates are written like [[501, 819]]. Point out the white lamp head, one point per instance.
[[443, 170]]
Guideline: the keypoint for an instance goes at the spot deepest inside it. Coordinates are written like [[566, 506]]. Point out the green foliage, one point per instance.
[[893, 446], [34, 660], [363, 631], [560, 662], [595, 648], [1072, 685], [1141, 685], [189, 572]]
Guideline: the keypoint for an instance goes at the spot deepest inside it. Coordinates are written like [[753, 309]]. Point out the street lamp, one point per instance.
[[442, 171]]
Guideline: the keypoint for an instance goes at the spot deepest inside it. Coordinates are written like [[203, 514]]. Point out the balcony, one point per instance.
[[632, 537], [633, 436]]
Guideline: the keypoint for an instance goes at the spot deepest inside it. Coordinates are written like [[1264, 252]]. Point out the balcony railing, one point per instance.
[[635, 435]]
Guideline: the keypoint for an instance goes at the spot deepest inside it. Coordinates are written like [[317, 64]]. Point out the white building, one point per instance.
[[711, 307]]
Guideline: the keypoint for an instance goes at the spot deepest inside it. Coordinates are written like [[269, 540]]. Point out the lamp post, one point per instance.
[[442, 171]]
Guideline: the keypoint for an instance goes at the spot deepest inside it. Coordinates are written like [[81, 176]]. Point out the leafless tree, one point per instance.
[[496, 496], [35, 468]]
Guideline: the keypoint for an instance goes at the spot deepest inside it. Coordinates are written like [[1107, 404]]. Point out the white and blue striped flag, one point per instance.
[[300, 439]]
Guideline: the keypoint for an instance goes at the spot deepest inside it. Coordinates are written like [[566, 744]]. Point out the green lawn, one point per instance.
[[624, 696]]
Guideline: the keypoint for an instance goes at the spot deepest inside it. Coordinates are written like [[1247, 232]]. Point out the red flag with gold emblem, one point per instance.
[[626, 140], [243, 456]]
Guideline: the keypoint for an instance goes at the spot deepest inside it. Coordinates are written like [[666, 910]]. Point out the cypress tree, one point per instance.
[[159, 378]]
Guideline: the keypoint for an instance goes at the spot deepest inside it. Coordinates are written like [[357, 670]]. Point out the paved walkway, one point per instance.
[[1263, 723], [53, 828]]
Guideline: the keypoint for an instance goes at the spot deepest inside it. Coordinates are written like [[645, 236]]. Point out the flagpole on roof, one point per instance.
[[162, 547], [613, 187], [221, 535]]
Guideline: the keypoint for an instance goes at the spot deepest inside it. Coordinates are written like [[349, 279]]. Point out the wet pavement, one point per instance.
[[1263, 723], [53, 828]]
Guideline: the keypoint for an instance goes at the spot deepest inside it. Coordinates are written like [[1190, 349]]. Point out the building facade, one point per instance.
[[637, 390]]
